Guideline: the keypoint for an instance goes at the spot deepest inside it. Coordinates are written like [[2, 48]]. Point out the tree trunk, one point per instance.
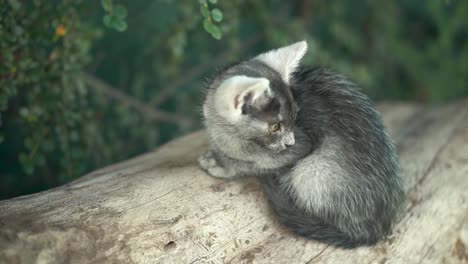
[[161, 208]]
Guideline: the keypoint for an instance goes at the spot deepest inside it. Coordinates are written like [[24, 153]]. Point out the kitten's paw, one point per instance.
[[208, 162]]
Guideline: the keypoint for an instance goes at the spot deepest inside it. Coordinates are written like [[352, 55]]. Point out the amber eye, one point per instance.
[[275, 128]]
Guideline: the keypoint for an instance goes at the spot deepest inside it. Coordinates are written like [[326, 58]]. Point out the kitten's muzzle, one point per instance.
[[289, 139]]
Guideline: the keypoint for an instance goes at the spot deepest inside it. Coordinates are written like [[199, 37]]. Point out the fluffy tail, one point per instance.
[[310, 226]]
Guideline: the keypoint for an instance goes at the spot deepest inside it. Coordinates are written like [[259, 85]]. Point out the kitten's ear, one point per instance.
[[235, 92], [285, 60]]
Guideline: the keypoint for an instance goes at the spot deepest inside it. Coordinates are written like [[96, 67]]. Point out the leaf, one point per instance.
[[206, 25], [120, 25], [205, 11], [24, 112], [217, 15], [212, 29], [216, 32], [18, 30], [120, 11], [202, 2], [107, 21], [29, 169], [107, 5], [213, 1]]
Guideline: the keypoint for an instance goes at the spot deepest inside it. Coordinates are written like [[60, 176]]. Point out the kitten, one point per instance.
[[318, 146]]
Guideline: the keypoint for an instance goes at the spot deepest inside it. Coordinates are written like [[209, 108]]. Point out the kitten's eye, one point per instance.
[[275, 128]]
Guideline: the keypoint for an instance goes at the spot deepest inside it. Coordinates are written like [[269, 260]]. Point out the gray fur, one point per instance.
[[339, 182]]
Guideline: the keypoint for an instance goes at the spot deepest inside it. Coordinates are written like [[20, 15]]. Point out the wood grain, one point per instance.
[[161, 208]]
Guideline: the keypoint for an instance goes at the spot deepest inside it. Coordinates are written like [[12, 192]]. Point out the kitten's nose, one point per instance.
[[289, 139]]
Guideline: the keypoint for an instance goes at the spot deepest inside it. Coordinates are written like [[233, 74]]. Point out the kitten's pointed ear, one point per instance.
[[236, 91], [285, 60]]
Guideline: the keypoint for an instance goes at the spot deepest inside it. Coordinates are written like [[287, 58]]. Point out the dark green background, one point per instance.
[[73, 102]]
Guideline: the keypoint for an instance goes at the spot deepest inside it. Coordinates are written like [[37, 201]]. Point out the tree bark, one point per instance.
[[161, 208]]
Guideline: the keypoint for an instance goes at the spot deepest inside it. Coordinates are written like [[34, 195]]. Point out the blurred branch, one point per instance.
[[170, 90], [134, 103]]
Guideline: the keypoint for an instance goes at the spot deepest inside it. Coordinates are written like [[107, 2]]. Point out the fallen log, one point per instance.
[[161, 208]]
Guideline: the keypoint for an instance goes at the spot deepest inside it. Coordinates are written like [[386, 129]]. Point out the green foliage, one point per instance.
[[217, 15], [115, 15], [211, 17], [44, 103], [56, 125]]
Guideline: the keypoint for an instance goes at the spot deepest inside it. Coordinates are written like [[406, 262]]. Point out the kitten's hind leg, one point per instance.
[[209, 163]]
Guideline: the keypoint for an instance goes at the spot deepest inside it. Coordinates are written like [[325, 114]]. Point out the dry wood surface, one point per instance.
[[161, 208]]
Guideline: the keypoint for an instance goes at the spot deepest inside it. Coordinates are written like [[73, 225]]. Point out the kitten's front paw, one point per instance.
[[208, 162]]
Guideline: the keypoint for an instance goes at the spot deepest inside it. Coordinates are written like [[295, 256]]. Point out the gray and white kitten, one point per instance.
[[315, 141]]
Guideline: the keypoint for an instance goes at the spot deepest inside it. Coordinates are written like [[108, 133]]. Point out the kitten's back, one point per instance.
[[348, 191]]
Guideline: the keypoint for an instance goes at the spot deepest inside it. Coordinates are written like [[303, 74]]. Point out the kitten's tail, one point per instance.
[[311, 227]]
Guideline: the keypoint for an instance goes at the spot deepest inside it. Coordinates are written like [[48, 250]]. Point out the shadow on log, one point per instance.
[[161, 208]]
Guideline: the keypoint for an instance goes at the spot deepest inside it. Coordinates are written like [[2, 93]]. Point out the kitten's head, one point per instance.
[[252, 100]]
